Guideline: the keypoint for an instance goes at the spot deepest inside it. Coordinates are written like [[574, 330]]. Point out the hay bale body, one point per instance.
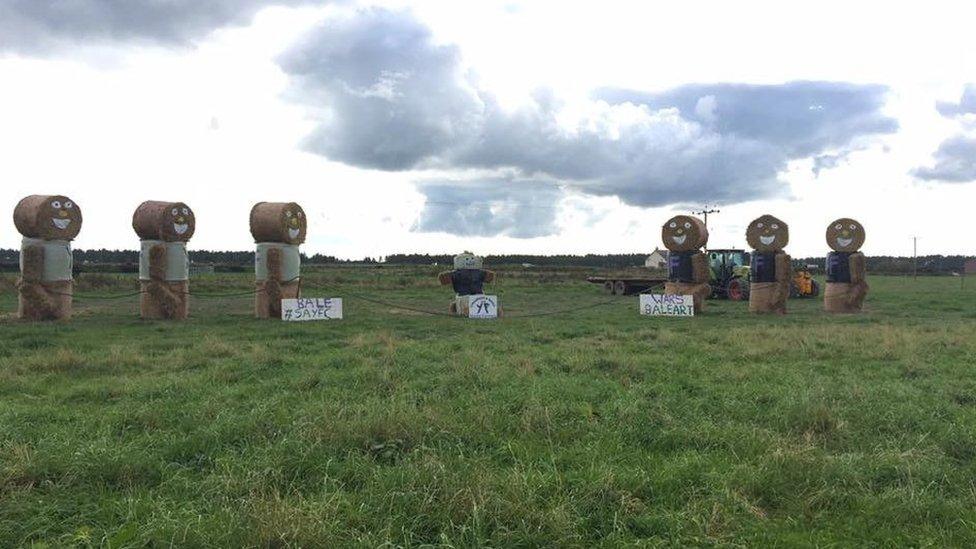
[[37, 301], [840, 297], [268, 296], [166, 221], [290, 261], [48, 217], [162, 300], [283, 222], [684, 233], [771, 296], [699, 292]]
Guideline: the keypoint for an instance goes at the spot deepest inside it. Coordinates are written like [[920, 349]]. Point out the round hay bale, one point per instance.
[[166, 221], [48, 217], [768, 234], [845, 235], [278, 222], [684, 233]]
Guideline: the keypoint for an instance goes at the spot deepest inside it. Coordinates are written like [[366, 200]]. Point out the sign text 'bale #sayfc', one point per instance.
[[311, 308]]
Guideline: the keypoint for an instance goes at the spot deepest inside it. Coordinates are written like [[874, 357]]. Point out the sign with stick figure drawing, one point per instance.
[[482, 306]]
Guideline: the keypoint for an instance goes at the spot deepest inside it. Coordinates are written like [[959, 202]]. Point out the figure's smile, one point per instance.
[[844, 242], [293, 233], [767, 240], [61, 224], [679, 240], [181, 228]]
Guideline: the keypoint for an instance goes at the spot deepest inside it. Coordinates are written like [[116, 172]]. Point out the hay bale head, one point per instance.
[[166, 221], [845, 235], [278, 222], [468, 260], [48, 217], [768, 234], [684, 233]]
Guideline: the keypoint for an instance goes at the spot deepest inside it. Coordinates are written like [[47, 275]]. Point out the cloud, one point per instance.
[[492, 207], [37, 26], [966, 104], [384, 94], [955, 161]]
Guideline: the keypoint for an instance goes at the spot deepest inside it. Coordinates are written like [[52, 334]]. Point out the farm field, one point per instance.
[[594, 427]]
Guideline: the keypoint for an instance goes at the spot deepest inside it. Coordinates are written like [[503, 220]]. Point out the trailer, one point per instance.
[[626, 285]]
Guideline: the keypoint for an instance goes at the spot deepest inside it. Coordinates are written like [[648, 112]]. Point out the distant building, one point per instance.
[[201, 268], [657, 260], [970, 267]]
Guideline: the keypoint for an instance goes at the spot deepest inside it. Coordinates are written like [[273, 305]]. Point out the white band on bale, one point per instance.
[[291, 261], [177, 260], [58, 261]]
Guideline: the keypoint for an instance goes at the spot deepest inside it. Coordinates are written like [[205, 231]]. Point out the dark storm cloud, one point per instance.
[[386, 95], [966, 104], [494, 207], [955, 161], [33, 26]]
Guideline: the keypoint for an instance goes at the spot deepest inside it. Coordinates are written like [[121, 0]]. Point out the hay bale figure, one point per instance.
[[771, 269], [846, 268], [278, 229], [46, 285], [468, 278], [684, 236], [164, 228]]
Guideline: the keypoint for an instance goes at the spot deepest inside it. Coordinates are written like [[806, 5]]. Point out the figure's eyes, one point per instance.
[[299, 214], [774, 226], [853, 227], [186, 211], [56, 204], [687, 225], [838, 226], [175, 212], [69, 204], [288, 214], [672, 224], [760, 225]]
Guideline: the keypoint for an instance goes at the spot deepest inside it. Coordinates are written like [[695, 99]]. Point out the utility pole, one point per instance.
[[915, 258], [705, 211]]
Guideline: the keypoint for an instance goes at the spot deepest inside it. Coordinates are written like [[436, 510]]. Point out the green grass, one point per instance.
[[592, 428]]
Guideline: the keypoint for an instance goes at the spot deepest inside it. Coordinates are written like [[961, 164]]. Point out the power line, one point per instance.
[[705, 211]]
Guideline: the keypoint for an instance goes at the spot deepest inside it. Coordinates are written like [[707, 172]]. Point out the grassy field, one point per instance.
[[595, 427]]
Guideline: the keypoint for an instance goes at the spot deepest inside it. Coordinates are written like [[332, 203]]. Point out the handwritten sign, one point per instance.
[[482, 306], [311, 308], [667, 305]]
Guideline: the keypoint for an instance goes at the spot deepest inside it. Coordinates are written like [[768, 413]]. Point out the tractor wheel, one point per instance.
[[608, 286], [814, 288], [795, 291], [735, 290], [620, 288]]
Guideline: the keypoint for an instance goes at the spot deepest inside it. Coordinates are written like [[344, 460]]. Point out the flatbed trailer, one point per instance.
[[626, 285]]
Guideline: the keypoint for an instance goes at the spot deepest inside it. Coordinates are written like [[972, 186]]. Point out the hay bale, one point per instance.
[[684, 233], [48, 217], [268, 296], [845, 235], [162, 300], [468, 260], [770, 297], [166, 221], [278, 222], [42, 301], [699, 292], [45, 287], [768, 234]]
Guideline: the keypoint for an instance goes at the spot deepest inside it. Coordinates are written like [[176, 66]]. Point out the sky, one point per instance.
[[497, 127]]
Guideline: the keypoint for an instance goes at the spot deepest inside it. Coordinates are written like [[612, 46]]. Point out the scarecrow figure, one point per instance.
[[771, 270], [164, 228], [278, 229], [846, 270], [46, 285], [468, 278], [688, 274]]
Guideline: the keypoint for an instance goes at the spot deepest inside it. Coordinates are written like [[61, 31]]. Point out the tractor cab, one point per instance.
[[729, 274]]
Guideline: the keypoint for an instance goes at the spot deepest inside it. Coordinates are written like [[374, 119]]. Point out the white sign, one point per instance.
[[311, 308], [667, 305], [482, 306]]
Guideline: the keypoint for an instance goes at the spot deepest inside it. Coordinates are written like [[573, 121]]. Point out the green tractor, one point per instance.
[[729, 274]]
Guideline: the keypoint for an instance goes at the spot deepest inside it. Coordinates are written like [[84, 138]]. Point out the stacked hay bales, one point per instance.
[[278, 228], [164, 228], [468, 278], [846, 268], [684, 236], [771, 269], [48, 224]]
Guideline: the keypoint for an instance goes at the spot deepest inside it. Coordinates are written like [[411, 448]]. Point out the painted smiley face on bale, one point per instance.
[[166, 221], [845, 235], [48, 217], [768, 234], [278, 222], [683, 233]]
